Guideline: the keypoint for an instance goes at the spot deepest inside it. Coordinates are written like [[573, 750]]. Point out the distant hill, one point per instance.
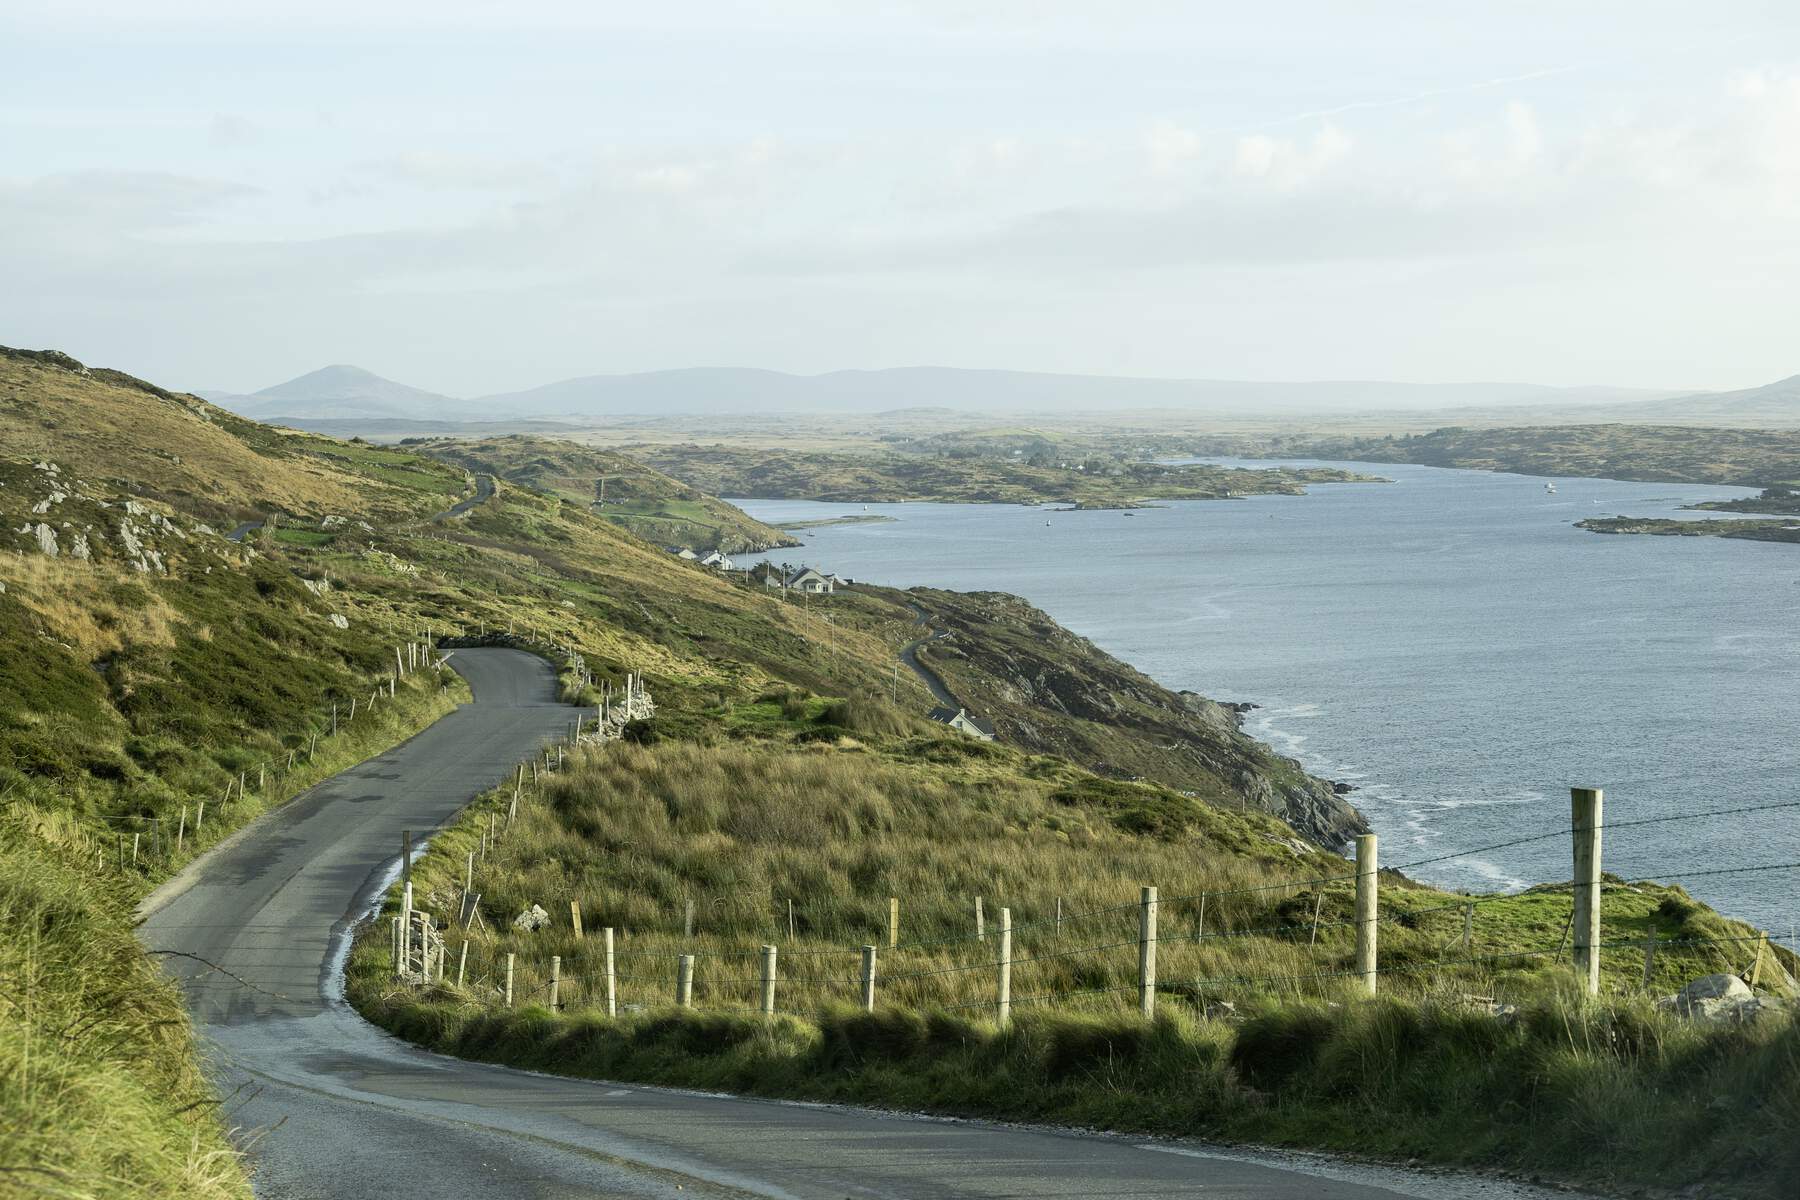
[[737, 390], [1775, 403], [341, 393]]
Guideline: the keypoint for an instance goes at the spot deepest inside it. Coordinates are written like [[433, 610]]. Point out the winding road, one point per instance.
[[329, 1106]]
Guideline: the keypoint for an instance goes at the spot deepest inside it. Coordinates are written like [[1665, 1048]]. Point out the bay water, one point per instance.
[[1448, 643]]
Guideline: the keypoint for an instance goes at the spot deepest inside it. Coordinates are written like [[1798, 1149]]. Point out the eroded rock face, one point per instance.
[[532, 919], [46, 539], [339, 620]]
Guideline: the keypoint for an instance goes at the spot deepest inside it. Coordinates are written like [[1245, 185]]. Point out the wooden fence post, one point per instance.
[[556, 983], [1147, 906], [406, 916], [768, 981], [684, 981], [199, 817], [406, 856], [980, 924], [1059, 916], [612, 978], [462, 962], [181, 830], [868, 978], [1366, 880], [1003, 1005], [469, 874], [893, 922], [509, 980], [790, 919], [134, 847], [1585, 808]]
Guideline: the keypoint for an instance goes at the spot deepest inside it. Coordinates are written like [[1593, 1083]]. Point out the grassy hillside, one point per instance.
[[868, 478], [150, 664], [645, 501], [1664, 453], [835, 806]]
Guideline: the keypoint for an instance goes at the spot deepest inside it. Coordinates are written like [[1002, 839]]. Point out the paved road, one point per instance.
[[345, 1111], [484, 488], [909, 654]]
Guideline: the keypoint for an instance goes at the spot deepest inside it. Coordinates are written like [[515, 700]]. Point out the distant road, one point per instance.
[[909, 654], [338, 1109], [242, 531], [484, 489]]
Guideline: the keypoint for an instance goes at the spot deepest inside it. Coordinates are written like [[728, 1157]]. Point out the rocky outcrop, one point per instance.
[[1050, 691], [1720, 1000]]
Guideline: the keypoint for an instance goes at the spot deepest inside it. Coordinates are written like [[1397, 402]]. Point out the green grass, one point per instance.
[[769, 774], [100, 1091], [1112, 481], [289, 536], [1609, 1094]]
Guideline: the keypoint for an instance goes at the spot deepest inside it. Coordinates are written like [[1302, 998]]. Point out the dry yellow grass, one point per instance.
[[99, 430], [95, 609]]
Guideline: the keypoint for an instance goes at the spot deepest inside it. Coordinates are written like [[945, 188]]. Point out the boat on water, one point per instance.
[[1550, 488]]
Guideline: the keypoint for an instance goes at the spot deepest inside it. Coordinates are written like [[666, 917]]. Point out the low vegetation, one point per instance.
[[1663, 453], [1096, 482], [150, 663], [1756, 531], [1478, 1053], [624, 491]]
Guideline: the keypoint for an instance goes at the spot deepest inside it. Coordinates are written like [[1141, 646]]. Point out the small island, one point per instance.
[[1760, 531]]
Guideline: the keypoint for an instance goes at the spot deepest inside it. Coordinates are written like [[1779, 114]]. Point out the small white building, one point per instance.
[[808, 580], [963, 721], [715, 560]]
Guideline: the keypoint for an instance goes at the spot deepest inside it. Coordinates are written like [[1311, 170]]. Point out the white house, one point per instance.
[[963, 721], [808, 580], [712, 558]]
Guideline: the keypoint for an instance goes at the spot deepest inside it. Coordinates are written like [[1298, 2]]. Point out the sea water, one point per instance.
[[1449, 643]]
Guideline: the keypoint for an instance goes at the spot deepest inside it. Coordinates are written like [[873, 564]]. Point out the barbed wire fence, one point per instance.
[[903, 973], [149, 843]]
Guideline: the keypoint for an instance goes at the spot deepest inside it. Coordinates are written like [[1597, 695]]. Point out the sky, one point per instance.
[[481, 197]]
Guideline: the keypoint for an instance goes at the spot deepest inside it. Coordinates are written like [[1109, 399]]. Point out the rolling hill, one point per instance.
[[350, 393]]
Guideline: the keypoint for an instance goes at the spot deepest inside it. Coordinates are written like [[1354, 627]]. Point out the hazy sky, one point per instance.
[[476, 197]]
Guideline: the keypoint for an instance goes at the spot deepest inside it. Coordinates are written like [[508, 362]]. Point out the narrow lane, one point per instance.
[[331, 1107]]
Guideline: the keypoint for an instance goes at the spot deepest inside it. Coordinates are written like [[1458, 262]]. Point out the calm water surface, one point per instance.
[[1448, 643]]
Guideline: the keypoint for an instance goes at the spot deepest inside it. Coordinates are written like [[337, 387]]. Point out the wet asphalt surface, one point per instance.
[[328, 1106]]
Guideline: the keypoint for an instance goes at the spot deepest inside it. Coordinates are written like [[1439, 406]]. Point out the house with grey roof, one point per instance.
[[963, 721]]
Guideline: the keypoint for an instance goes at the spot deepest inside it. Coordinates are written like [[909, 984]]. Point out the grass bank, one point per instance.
[[1608, 1094], [1262, 1033]]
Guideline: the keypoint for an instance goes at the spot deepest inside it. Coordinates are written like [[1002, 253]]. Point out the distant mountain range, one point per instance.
[[337, 393], [1771, 404]]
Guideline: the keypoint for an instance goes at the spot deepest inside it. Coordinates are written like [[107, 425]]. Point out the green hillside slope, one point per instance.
[[621, 489]]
